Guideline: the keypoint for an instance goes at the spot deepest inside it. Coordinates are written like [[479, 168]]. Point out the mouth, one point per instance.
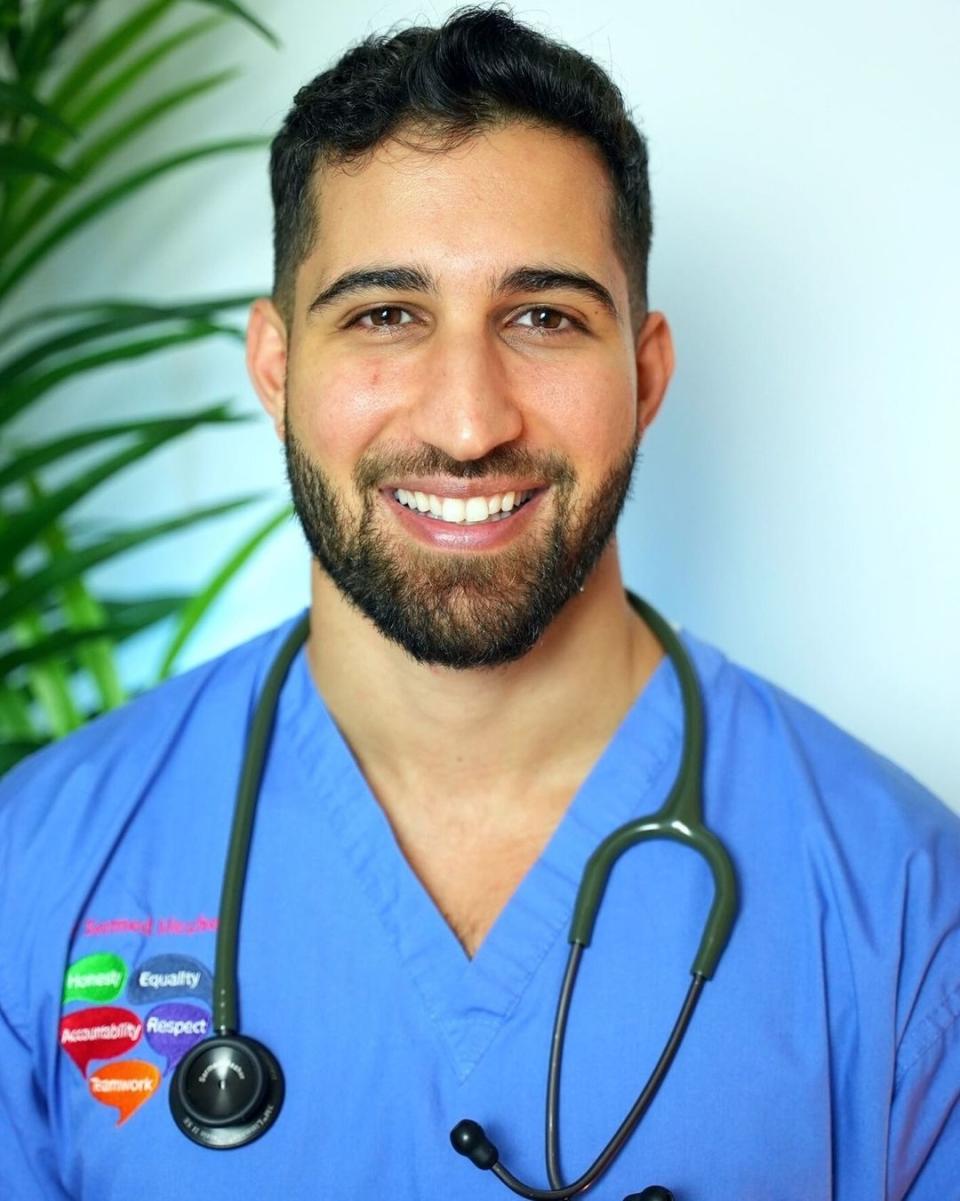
[[458, 510]]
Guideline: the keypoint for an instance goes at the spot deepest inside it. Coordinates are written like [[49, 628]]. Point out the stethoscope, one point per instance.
[[228, 1089]]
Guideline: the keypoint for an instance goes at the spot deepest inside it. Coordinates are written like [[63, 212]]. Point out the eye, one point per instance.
[[384, 316], [547, 321]]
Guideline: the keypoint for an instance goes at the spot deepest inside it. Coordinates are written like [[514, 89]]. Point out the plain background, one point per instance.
[[798, 498]]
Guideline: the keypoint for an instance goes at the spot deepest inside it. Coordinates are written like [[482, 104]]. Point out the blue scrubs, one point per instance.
[[823, 1061]]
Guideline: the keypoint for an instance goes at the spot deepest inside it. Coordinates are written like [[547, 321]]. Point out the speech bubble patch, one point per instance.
[[164, 977], [99, 977], [173, 1028], [103, 1032], [124, 1085]]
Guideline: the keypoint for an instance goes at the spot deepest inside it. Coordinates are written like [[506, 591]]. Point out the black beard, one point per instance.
[[457, 610]]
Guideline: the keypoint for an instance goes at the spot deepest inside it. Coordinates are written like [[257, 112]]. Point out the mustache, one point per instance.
[[377, 468]]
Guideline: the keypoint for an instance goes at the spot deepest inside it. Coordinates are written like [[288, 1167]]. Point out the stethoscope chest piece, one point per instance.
[[226, 1091]]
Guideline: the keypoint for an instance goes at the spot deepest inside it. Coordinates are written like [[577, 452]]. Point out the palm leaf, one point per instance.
[[28, 460], [20, 161], [112, 316], [14, 749], [195, 610], [122, 620], [16, 99], [34, 588], [31, 389], [83, 165], [22, 528], [237, 10], [97, 205]]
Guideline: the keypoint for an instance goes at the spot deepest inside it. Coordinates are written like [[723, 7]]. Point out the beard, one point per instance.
[[454, 609]]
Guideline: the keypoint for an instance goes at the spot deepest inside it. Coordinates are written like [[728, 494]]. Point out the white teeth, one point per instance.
[[453, 509], [457, 510], [476, 509]]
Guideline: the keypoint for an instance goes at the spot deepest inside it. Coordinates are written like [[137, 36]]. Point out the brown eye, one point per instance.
[[388, 315], [547, 321], [384, 316]]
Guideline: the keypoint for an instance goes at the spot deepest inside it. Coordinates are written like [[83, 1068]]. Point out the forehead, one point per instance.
[[515, 194]]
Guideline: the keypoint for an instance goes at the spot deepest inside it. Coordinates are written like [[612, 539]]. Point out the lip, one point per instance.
[[482, 536]]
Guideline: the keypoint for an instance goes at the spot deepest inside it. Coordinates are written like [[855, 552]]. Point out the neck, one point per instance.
[[478, 739]]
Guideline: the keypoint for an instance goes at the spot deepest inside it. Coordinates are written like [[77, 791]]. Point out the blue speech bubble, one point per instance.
[[173, 1028], [163, 977]]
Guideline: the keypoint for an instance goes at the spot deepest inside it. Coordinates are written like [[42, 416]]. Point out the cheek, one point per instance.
[[589, 410], [339, 410]]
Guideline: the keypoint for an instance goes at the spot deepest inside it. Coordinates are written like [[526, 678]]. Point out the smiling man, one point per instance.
[[461, 363]]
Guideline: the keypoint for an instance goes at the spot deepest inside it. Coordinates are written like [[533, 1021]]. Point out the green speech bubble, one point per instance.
[[98, 977]]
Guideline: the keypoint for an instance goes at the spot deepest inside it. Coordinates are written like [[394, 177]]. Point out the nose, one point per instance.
[[466, 406]]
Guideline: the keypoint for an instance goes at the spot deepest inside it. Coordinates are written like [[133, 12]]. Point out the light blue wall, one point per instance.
[[798, 499]]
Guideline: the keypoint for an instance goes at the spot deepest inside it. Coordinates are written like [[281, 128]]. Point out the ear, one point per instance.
[[267, 359], [654, 356]]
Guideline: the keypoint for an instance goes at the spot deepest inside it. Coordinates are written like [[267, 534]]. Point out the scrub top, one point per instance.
[[823, 1060]]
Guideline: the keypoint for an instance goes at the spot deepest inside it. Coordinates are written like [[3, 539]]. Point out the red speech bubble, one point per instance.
[[125, 1085], [103, 1032]]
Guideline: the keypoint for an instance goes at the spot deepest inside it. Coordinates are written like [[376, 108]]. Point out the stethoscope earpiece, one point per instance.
[[226, 1091]]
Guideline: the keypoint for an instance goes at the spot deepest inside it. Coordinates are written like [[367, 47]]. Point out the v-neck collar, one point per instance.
[[468, 1000]]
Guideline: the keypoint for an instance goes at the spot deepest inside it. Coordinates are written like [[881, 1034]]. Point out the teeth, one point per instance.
[[476, 509], [457, 511], [454, 509]]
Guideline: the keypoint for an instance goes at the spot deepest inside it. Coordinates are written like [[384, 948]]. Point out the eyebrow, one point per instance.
[[415, 279]]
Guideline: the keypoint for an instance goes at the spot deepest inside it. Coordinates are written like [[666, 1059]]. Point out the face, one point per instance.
[[462, 389]]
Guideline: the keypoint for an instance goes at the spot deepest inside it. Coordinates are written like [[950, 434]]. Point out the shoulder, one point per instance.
[[64, 808], [846, 835], [835, 777], [129, 742]]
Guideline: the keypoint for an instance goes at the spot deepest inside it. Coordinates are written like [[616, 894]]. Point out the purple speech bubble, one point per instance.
[[173, 1028]]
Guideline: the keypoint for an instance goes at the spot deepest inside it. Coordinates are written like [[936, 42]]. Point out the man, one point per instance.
[[461, 363]]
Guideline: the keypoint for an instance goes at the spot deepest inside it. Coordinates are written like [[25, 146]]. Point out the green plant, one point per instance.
[[66, 117]]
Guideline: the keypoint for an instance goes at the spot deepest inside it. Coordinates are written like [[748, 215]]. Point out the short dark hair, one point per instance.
[[478, 70]]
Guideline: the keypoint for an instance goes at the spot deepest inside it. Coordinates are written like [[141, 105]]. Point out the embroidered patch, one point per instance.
[[99, 977], [173, 1028], [163, 977], [170, 997], [103, 1032], [125, 1085]]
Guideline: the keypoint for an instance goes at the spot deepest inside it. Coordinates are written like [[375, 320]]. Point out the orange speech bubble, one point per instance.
[[124, 1085]]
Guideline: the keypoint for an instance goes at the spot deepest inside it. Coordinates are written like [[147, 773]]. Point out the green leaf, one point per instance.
[[34, 588], [99, 152], [49, 27], [14, 749], [18, 160], [28, 460], [113, 316], [48, 682], [83, 107], [16, 99], [22, 528], [32, 388], [64, 641], [197, 608], [99, 204], [137, 613], [108, 50], [236, 10]]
